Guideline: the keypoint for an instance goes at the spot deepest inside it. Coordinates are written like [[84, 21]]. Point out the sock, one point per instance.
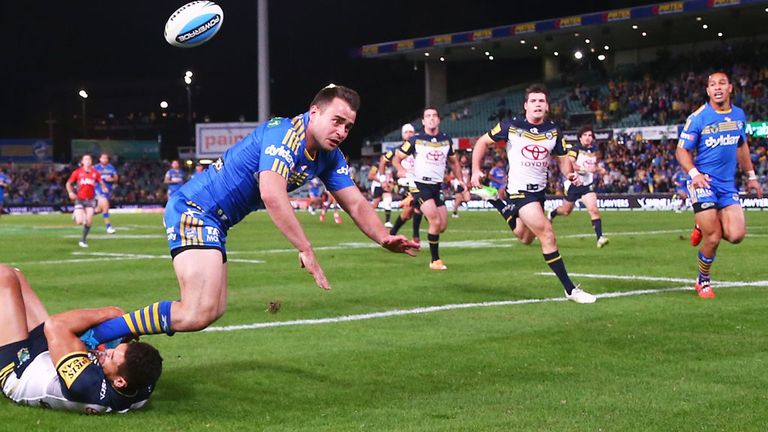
[[705, 264], [434, 245], [398, 223], [388, 215], [508, 212], [553, 214], [416, 224], [597, 224], [555, 262], [86, 230], [152, 319]]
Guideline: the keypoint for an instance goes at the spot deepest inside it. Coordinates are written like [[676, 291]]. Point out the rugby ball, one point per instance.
[[193, 24]]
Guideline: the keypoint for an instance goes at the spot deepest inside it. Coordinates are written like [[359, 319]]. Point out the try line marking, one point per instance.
[[432, 309]]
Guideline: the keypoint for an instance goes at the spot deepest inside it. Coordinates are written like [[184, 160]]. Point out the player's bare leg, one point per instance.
[[708, 222], [533, 218], [438, 222], [203, 286], [733, 224], [13, 317], [33, 307], [590, 202]]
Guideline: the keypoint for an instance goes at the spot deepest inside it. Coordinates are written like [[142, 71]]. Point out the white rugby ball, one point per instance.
[[193, 24]]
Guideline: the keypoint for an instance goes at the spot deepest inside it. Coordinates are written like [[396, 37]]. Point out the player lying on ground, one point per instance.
[[44, 363]]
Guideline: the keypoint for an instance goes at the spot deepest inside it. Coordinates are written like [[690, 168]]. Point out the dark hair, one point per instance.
[[426, 108], [720, 72], [332, 91], [536, 88], [584, 130], [142, 366]]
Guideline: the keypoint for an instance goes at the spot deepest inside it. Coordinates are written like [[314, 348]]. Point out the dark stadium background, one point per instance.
[[116, 51]]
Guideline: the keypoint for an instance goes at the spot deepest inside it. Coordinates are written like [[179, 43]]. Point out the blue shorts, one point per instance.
[[101, 194], [187, 226], [718, 195]]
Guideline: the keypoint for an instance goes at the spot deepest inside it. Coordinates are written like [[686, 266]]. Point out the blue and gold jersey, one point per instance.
[[715, 136], [681, 179], [176, 177], [229, 188], [4, 181], [106, 171]]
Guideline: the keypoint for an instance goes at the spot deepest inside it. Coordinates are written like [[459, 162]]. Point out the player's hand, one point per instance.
[[308, 261], [574, 178], [755, 185], [475, 180], [400, 244], [700, 181], [72, 196]]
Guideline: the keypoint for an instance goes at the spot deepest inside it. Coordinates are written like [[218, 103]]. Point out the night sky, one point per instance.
[[116, 49]]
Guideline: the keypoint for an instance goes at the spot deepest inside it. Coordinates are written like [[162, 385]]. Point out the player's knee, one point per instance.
[[735, 237], [8, 277], [196, 319]]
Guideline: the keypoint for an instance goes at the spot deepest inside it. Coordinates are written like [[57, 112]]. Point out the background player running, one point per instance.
[[716, 132], [432, 150], [586, 166], [43, 363], [409, 206], [86, 178], [174, 178], [531, 141], [279, 156], [110, 177]]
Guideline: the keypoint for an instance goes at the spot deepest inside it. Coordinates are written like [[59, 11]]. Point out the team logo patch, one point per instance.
[[435, 156], [190, 233], [218, 165], [23, 355], [535, 152], [548, 135]]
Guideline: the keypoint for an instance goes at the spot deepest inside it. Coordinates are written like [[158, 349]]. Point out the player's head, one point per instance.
[[175, 164], [199, 168], [719, 88], [332, 114], [86, 161], [430, 118], [586, 136], [407, 131], [536, 103], [104, 159], [131, 366]]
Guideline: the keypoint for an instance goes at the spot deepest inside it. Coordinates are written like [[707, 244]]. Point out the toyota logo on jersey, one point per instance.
[[535, 152], [435, 156]]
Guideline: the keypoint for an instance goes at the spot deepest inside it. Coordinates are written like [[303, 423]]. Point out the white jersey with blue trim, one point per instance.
[[229, 188], [715, 136]]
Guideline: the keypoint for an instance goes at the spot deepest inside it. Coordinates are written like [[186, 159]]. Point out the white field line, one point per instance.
[[432, 309], [108, 256], [117, 236], [716, 284]]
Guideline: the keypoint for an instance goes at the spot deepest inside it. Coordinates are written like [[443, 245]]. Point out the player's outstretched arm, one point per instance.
[[478, 153], [354, 203], [274, 194], [62, 330]]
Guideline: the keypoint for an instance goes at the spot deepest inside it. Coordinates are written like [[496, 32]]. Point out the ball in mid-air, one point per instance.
[[193, 24]]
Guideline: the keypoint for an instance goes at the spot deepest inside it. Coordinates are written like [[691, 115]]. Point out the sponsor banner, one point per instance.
[[651, 132], [757, 129], [600, 135], [126, 149], [213, 139], [669, 8], [25, 150]]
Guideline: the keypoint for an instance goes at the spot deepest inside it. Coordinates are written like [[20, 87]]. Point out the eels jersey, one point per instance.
[[529, 149], [430, 156], [107, 170], [229, 188], [715, 135], [77, 383]]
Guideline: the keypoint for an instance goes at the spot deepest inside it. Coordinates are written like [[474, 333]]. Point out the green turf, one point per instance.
[[656, 362]]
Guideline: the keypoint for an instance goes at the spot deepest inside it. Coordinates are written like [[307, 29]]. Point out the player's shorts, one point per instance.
[[428, 191], [103, 194], [15, 357], [378, 191], [84, 203], [575, 193], [718, 195], [521, 198], [187, 226]]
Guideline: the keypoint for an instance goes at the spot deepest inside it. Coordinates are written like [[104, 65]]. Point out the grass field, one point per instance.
[[648, 356]]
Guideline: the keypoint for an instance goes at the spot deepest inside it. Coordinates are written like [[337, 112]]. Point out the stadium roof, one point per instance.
[[655, 25]]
